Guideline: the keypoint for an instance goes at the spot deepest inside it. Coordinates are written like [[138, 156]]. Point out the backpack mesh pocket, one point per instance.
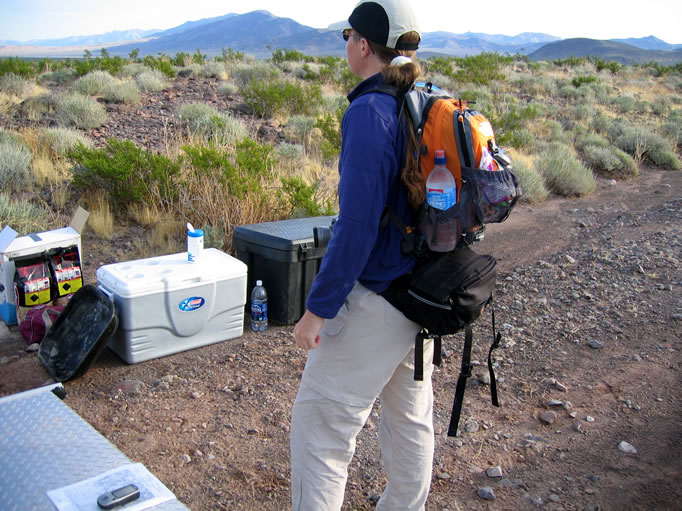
[[453, 223], [493, 193]]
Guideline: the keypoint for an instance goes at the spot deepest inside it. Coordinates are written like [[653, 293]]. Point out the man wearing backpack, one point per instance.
[[360, 346]]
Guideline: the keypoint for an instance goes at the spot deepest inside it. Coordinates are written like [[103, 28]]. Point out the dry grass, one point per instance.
[[101, 219], [145, 214]]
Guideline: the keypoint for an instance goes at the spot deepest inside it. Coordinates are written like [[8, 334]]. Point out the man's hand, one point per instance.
[[307, 331]]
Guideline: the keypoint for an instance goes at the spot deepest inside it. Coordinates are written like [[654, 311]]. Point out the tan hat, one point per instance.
[[384, 21]]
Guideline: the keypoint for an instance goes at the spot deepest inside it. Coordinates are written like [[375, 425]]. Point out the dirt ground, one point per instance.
[[589, 300]]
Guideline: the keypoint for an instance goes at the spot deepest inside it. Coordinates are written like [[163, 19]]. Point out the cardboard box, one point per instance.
[[13, 247], [283, 255], [166, 304]]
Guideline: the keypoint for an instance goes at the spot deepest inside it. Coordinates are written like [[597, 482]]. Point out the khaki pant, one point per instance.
[[366, 352]]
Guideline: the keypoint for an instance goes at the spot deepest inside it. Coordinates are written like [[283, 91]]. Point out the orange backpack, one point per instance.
[[487, 188]]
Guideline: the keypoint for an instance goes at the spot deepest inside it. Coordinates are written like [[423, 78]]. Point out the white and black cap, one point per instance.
[[384, 21]]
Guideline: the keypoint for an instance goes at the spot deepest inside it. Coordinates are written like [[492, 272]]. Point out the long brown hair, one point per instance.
[[401, 76]]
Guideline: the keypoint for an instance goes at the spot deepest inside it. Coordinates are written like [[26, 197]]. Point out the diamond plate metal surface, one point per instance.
[[45, 445]]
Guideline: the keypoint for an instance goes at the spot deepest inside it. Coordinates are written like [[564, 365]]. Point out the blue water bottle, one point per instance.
[[259, 308]]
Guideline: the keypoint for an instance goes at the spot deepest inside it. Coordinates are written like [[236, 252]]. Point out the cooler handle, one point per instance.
[[108, 293]]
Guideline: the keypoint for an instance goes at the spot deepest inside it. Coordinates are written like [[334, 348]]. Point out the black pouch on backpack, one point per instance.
[[447, 291]]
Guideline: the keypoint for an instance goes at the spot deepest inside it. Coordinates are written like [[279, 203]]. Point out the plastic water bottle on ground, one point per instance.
[[441, 193], [259, 308]]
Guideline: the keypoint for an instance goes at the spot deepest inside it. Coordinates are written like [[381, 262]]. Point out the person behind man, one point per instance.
[[360, 346]]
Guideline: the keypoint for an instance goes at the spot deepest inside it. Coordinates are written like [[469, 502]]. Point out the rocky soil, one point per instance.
[[589, 300]]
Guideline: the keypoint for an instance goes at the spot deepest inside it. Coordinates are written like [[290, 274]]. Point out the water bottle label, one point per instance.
[[441, 198], [259, 311]]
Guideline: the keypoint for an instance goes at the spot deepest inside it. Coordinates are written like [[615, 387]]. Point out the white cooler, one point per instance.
[[166, 304]]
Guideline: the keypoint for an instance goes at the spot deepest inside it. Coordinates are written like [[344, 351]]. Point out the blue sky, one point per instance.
[[23, 20]]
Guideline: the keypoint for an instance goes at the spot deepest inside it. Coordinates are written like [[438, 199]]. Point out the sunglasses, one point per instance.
[[346, 33]]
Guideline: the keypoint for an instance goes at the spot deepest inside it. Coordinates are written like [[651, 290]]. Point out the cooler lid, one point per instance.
[[286, 235], [168, 273]]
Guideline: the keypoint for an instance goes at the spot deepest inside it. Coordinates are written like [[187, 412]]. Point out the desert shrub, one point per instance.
[[15, 159], [105, 62], [188, 70], [243, 74], [94, 83], [600, 123], [610, 161], [578, 81], [521, 139], [127, 172], [661, 105], [558, 132], [205, 121], [590, 139], [60, 141], [190, 112], [240, 172], [664, 159], [133, 69], [35, 106], [290, 152], [508, 118], [582, 111], [301, 198], [672, 130], [151, 81], [531, 182], [285, 55], [483, 68], [302, 126], [640, 142], [80, 111], [281, 97], [59, 77], [332, 103], [536, 85], [24, 216], [570, 92], [228, 89], [562, 172], [642, 107], [17, 66], [122, 92], [624, 104], [600, 92], [330, 126], [213, 70], [16, 85], [161, 64]]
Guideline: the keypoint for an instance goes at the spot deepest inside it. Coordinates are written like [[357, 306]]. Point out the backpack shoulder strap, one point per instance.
[[397, 92]]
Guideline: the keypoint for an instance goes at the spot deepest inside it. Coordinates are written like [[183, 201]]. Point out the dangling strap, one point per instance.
[[496, 342], [464, 375], [419, 356], [419, 353], [437, 348]]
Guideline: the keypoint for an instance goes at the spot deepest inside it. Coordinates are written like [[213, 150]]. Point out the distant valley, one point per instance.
[[259, 32]]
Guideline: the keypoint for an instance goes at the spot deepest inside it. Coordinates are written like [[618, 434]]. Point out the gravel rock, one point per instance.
[[486, 493]]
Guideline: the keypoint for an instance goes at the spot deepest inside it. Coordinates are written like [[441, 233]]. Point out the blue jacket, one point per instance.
[[372, 157]]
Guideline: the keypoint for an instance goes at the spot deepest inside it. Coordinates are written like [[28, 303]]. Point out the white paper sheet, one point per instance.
[[82, 496]]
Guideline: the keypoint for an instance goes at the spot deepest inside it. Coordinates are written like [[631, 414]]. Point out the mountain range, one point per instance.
[[258, 32]]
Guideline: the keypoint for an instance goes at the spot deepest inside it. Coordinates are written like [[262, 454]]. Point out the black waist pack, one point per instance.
[[445, 293]]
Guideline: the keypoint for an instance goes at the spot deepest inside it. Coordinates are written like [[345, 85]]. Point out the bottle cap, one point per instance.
[[259, 282], [440, 157], [196, 233]]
